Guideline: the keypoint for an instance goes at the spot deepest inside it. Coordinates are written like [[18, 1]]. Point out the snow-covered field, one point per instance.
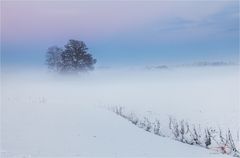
[[43, 115]]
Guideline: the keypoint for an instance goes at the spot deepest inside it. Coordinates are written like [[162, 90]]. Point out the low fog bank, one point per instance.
[[128, 74], [179, 91], [40, 111]]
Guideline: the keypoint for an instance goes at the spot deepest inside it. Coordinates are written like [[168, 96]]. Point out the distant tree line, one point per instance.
[[73, 58]]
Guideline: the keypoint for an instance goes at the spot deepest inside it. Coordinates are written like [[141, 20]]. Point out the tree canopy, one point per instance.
[[73, 58]]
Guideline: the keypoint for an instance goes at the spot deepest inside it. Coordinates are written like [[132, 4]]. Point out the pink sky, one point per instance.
[[93, 20]]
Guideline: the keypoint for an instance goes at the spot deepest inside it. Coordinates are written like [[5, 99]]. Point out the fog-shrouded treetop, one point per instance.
[[74, 58]]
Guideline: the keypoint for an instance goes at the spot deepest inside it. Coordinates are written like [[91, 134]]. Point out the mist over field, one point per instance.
[[45, 114], [119, 79]]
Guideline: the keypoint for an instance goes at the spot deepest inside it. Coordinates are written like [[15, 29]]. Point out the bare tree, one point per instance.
[[53, 58]]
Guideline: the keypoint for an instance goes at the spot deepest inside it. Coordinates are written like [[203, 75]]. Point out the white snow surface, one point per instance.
[[53, 116]]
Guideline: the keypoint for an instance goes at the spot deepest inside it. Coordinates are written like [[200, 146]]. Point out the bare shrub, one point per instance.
[[208, 140], [173, 125], [195, 136], [156, 127], [133, 119], [184, 129], [147, 124], [232, 145]]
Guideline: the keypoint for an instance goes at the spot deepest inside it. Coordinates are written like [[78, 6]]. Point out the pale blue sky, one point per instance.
[[122, 33]]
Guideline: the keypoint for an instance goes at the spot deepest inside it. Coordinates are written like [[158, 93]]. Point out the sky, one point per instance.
[[121, 33]]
